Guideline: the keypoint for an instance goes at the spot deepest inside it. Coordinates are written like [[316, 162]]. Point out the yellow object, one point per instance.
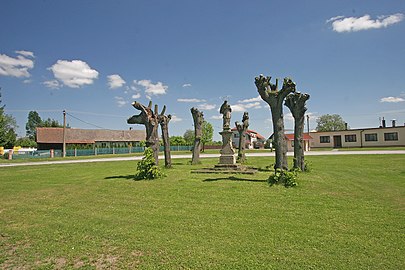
[[16, 148], [1, 150]]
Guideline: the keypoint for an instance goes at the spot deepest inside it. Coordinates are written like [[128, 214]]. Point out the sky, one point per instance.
[[94, 58]]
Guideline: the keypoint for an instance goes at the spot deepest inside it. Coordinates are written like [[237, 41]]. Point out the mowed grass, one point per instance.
[[347, 213]]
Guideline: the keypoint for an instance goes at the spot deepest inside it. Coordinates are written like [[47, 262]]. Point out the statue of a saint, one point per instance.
[[226, 111]]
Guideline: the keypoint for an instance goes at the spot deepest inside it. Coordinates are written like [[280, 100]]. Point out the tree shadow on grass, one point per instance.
[[233, 178], [128, 177]]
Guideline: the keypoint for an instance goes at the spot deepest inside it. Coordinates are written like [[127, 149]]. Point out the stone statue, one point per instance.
[[226, 110]]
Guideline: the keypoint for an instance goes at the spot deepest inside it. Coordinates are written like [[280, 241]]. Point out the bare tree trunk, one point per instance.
[[198, 118], [164, 124], [296, 103], [150, 119], [269, 93], [242, 128]]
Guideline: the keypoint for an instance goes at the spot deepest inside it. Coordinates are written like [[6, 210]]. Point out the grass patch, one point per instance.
[[347, 213]]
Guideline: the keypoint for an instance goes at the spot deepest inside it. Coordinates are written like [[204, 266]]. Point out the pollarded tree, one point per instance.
[[198, 119], [296, 103], [164, 124], [149, 118], [275, 98]]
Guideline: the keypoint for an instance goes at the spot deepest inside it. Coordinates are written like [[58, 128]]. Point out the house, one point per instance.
[[52, 138], [253, 139], [307, 139], [364, 137]]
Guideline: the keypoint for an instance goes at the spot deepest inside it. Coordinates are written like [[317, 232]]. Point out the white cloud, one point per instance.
[[27, 81], [53, 84], [334, 19], [16, 67], [353, 24], [392, 99], [137, 95], [115, 81], [26, 53], [152, 89], [216, 117], [121, 101], [258, 98], [187, 85], [175, 119], [242, 107], [191, 100], [206, 106], [74, 73]]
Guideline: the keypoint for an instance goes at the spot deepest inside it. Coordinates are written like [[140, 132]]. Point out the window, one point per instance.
[[324, 139], [371, 137], [350, 138], [392, 136]]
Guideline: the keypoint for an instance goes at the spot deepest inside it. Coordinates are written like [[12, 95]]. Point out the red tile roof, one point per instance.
[[306, 137], [250, 131]]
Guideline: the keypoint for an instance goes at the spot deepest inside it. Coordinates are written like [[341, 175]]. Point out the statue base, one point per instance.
[[227, 151]]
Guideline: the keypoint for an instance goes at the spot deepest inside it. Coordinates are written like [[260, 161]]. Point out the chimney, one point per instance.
[[393, 122], [345, 126], [383, 123]]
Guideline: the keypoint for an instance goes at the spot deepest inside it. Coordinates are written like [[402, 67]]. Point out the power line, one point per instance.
[[84, 121]]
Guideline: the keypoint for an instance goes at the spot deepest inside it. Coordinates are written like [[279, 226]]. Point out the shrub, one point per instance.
[[146, 168], [283, 177]]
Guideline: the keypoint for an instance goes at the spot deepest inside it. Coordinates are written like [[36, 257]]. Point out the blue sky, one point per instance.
[[93, 58]]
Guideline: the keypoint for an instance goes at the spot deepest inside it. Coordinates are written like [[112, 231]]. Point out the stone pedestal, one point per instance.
[[227, 152]]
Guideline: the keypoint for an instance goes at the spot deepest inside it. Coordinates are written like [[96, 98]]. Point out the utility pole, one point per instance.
[[64, 134], [308, 123]]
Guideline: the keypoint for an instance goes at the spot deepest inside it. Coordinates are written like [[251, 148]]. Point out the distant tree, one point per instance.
[[207, 134], [8, 125], [330, 122], [25, 142], [51, 123], [177, 140], [189, 136], [34, 121]]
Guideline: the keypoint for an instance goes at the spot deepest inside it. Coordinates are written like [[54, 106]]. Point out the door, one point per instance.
[[337, 141]]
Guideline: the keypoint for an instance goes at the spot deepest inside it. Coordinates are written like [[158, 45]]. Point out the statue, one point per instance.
[[226, 111]]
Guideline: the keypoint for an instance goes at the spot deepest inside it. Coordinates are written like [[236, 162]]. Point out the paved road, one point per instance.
[[261, 154]]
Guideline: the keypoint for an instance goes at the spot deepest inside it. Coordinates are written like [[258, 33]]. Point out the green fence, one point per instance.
[[91, 152]]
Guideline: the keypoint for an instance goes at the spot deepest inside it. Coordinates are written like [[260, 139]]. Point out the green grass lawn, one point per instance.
[[347, 213]]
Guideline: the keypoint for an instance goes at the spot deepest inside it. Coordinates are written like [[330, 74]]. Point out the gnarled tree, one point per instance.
[[164, 124], [296, 103], [274, 97], [242, 128], [198, 118], [150, 119]]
